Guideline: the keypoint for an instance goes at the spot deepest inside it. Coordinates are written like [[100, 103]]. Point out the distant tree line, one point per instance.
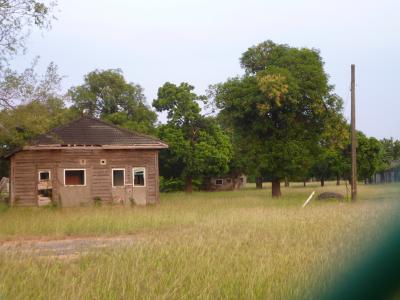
[[280, 121]]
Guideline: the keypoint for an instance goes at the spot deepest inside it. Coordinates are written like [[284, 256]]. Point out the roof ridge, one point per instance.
[[131, 133], [124, 129]]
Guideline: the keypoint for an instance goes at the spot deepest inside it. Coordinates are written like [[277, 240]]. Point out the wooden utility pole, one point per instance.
[[353, 136]]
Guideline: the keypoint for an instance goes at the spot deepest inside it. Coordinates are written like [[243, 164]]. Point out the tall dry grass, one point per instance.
[[235, 245]]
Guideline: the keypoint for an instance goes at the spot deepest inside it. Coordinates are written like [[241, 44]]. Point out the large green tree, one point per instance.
[[239, 163], [197, 145], [329, 158], [281, 103], [106, 94], [370, 156]]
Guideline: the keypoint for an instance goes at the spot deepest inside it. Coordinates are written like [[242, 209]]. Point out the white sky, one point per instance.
[[200, 42]]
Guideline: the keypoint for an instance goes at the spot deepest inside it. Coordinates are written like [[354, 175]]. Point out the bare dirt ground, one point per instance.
[[64, 248]]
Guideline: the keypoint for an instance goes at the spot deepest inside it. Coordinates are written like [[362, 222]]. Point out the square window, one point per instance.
[[219, 181], [74, 177], [228, 180], [118, 177], [139, 177], [44, 175]]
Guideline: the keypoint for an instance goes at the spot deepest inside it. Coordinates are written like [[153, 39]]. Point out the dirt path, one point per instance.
[[64, 248]]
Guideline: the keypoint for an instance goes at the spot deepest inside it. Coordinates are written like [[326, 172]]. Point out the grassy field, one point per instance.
[[240, 245]]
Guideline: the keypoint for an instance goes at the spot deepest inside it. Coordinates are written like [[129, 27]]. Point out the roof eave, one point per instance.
[[105, 147]]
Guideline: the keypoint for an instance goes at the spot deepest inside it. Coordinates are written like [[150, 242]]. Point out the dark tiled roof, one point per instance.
[[91, 131]]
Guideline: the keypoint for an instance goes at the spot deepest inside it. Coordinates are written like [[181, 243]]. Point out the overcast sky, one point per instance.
[[200, 42]]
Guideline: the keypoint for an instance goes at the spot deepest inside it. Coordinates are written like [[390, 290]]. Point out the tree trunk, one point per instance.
[[286, 182], [189, 184], [276, 188], [259, 182], [337, 180], [322, 181], [305, 183]]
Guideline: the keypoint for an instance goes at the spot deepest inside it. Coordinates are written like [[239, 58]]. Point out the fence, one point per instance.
[[387, 176]]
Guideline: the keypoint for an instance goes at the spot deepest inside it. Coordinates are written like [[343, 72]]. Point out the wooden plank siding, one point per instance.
[[26, 164]]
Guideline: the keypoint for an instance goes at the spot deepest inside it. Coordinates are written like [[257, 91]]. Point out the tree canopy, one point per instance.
[[370, 156], [197, 145], [107, 95], [330, 156], [282, 103]]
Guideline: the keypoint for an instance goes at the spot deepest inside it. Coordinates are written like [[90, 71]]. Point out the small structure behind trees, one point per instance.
[[225, 183]]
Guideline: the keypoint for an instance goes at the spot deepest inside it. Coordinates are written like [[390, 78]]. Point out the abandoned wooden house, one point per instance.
[[226, 183], [83, 161]]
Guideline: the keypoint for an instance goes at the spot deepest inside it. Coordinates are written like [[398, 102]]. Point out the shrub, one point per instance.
[[177, 184], [171, 185]]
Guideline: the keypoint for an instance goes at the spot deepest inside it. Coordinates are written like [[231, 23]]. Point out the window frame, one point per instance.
[[144, 176], [76, 169], [44, 171], [112, 177], [222, 181]]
